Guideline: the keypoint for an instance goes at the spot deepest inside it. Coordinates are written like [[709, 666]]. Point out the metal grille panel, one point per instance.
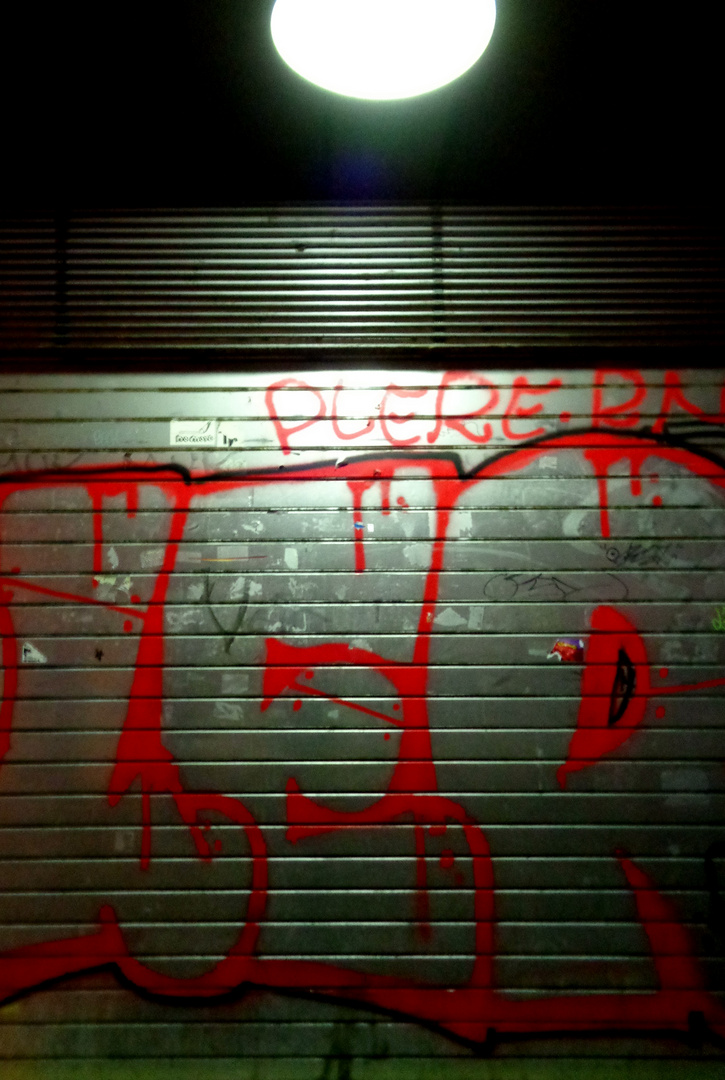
[[303, 279]]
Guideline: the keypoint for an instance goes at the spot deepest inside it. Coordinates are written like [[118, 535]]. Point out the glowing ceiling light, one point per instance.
[[382, 49]]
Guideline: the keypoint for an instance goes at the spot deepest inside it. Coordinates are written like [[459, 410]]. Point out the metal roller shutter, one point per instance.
[[373, 717], [307, 279]]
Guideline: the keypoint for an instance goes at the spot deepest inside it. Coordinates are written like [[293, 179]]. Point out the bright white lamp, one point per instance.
[[382, 49]]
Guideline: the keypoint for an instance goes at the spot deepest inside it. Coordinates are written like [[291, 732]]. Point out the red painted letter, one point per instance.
[[457, 422], [514, 410], [395, 418], [619, 416], [339, 433], [283, 432], [674, 395]]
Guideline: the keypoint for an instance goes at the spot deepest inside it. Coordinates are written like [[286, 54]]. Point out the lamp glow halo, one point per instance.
[[382, 50]]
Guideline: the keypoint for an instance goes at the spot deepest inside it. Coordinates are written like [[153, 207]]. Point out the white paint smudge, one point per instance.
[[106, 587], [152, 560], [449, 617], [113, 558], [417, 555], [31, 655], [228, 710], [178, 620], [255, 527], [461, 524], [291, 558], [237, 590], [575, 522]]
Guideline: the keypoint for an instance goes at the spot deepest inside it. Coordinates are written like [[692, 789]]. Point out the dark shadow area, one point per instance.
[[572, 103]]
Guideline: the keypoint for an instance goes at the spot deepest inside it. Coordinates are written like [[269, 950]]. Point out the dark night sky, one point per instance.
[[579, 102]]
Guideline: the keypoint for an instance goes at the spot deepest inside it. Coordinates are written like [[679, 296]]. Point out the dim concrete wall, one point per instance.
[[362, 725]]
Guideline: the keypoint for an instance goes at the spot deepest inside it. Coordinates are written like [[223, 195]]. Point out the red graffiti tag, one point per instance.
[[403, 416], [616, 686]]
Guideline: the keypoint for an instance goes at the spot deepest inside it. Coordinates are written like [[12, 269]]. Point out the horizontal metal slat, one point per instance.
[[192, 280]]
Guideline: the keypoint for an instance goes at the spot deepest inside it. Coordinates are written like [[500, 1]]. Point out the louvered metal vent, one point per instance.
[[354, 277]]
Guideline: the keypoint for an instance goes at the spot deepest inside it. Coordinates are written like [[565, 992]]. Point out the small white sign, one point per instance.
[[194, 433], [31, 655]]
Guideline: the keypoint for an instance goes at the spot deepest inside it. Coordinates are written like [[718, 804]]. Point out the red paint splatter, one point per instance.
[[447, 860], [689, 688], [660, 712], [56, 594], [657, 501]]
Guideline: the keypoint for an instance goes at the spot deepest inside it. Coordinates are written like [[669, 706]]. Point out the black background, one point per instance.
[[575, 102]]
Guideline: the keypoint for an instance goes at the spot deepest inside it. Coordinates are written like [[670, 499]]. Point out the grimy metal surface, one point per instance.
[[359, 725], [340, 277]]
